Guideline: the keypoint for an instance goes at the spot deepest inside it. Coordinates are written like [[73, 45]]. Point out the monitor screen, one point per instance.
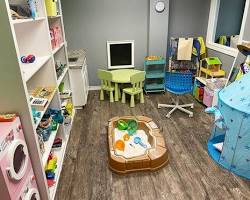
[[121, 54]]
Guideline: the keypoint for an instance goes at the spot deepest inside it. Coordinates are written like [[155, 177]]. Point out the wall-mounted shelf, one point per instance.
[[48, 145]]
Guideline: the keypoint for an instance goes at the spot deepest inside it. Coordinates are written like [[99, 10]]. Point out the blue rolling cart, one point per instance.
[[155, 75]]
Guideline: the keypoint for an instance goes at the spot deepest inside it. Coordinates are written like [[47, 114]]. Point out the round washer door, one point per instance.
[[18, 159], [32, 194]]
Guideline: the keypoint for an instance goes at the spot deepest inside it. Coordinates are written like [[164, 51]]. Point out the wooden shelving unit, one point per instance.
[[21, 37]]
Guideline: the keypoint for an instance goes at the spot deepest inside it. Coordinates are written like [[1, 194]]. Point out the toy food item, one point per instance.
[[132, 126], [120, 145], [153, 57], [126, 137], [7, 118], [122, 125]]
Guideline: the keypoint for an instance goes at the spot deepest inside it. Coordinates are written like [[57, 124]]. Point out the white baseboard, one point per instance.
[[95, 87]]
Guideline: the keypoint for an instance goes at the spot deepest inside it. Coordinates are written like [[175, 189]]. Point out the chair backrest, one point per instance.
[[105, 77], [179, 82], [137, 80]]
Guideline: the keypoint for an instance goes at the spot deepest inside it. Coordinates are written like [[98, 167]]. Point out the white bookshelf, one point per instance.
[[21, 37]]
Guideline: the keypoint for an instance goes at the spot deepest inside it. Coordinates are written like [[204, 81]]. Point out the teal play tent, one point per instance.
[[229, 144]]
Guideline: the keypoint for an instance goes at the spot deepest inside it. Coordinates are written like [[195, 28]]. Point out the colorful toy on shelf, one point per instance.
[[59, 68], [28, 59], [43, 92], [137, 140], [57, 143], [36, 114], [50, 169], [120, 145], [211, 67], [69, 107], [51, 7], [7, 117], [38, 103], [122, 125]]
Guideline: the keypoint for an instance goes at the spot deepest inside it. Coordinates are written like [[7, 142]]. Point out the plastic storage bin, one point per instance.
[[198, 91], [208, 97]]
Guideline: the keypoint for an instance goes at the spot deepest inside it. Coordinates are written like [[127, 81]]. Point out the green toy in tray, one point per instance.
[[122, 125], [131, 126]]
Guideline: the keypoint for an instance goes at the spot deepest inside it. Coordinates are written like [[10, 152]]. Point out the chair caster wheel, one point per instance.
[[167, 116], [159, 106], [191, 115], [192, 106]]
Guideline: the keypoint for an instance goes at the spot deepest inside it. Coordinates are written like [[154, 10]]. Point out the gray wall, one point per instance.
[[90, 23], [188, 18], [158, 30]]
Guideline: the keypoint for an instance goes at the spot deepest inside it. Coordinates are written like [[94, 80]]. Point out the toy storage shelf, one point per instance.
[[46, 108], [155, 75], [154, 87], [52, 17], [30, 69], [62, 76], [30, 20], [48, 146], [22, 37], [60, 154], [58, 48], [68, 128]]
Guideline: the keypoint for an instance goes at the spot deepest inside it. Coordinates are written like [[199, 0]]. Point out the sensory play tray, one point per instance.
[[142, 150]]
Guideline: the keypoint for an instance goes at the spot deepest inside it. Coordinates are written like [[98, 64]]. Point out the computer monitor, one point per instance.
[[120, 54]]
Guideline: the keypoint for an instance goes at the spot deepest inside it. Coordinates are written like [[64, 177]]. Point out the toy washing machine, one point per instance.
[[29, 190], [15, 165]]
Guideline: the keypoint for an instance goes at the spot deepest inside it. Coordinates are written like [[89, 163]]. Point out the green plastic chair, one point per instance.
[[106, 78], [136, 89]]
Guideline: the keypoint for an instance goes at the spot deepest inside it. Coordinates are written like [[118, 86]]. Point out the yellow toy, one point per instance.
[[126, 137]]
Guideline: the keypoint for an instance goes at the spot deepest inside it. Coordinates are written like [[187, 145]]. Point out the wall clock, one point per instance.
[[160, 6]]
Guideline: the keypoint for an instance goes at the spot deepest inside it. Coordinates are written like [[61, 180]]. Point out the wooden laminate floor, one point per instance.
[[191, 173]]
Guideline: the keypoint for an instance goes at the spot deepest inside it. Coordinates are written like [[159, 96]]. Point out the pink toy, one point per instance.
[[208, 97], [15, 165]]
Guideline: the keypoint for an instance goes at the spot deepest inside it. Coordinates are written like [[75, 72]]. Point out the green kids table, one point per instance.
[[122, 76]]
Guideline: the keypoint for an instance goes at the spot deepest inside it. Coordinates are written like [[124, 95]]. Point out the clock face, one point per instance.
[[160, 6]]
